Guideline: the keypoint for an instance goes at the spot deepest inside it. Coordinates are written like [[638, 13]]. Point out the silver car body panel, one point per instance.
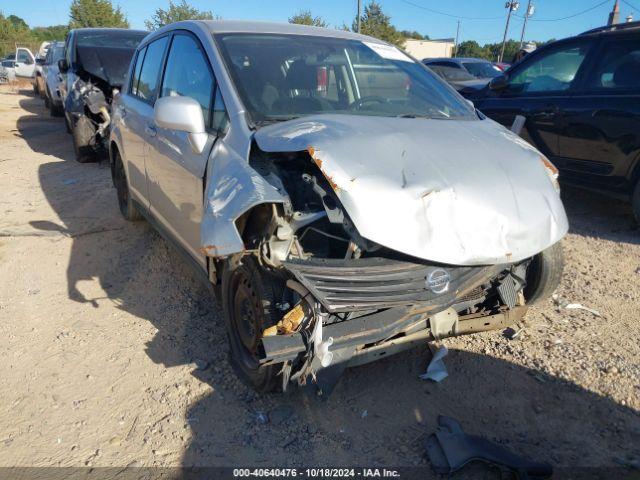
[[457, 192]]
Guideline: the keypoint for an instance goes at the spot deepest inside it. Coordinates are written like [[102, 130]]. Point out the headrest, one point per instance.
[[302, 76], [628, 73]]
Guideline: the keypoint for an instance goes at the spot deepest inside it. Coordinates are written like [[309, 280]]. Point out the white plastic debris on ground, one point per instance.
[[436, 370]]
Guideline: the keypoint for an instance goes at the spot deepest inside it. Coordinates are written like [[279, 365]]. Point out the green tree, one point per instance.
[[472, 49], [176, 13], [306, 18], [12, 32], [376, 24], [54, 32], [96, 13], [17, 22], [414, 34]]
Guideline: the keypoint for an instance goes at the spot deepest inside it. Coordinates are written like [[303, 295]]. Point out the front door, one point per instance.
[[175, 172], [600, 140], [25, 63], [538, 89]]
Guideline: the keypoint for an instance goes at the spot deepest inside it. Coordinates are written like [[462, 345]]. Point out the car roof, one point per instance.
[[613, 29], [99, 30], [456, 60], [237, 26]]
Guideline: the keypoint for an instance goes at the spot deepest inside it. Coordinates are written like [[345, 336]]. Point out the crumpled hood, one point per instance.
[[456, 192]]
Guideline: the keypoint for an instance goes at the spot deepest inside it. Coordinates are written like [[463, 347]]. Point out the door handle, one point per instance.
[[150, 130], [546, 113]]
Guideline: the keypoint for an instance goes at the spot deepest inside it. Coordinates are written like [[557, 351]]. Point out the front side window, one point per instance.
[[188, 74], [553, 71], [618, 68], [23, 57], [150, 71], [280, 77]]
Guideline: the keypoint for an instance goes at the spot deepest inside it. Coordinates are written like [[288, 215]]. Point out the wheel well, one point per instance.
[[113, 149]]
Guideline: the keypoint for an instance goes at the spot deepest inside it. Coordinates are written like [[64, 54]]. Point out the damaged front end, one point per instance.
[[89, 104], [345, 298]]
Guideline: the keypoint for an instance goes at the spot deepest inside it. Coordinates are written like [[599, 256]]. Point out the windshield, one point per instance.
[[482, 69], [57, 53], [280, 77], [452, 74], [111, 38]]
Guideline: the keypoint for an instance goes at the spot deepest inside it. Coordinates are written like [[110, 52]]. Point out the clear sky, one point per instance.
[[481, 20]]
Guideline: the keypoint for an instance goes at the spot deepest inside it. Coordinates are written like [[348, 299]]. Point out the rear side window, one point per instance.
[[150, 71], [136, 71], [188, 74], [618, 68]]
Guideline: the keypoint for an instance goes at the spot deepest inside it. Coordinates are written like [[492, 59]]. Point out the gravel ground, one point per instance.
[[114, 355]]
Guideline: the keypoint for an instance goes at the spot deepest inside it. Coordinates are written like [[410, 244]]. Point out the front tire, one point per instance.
[[125, 202], [83, 135], [635, 202], [249, 302], [544, 274]]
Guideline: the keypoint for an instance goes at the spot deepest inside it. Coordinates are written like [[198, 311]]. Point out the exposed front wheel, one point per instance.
[[248, 299], [83, 139], [544, 274], [127, 207]]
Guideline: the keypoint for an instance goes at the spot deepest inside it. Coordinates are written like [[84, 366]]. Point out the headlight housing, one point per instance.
[[552, 172]]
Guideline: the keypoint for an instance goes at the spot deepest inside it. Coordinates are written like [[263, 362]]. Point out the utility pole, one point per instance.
[[527, 14], [455, 51], [359, 14], [512, 6]]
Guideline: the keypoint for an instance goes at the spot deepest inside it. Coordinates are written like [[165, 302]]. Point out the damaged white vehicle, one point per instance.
[[345, 202]]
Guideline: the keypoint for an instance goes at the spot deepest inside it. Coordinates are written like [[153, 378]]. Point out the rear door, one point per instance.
[[539, 88], [136, 113], [25, 63], [176, 172], [600, 139]]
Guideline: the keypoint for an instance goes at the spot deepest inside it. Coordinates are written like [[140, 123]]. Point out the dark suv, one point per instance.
[[581, 100]]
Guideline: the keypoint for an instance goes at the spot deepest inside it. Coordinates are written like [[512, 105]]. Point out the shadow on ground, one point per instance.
[[378, 415]]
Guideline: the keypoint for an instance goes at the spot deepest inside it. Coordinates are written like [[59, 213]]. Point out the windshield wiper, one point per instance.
[[412, 115], [269, 121]]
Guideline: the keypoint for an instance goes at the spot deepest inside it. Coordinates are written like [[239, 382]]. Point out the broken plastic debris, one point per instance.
[[562, 303], [577, 306], [436, 370]]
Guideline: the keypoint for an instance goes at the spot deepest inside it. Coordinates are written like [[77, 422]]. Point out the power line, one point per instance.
[[422, 7], [630, 5], [569, 16]]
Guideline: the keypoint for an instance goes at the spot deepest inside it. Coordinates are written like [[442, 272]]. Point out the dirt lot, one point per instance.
[[112, 354]]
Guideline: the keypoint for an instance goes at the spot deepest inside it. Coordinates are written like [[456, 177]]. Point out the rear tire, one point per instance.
[[248, 300], [128, 208], [83, 134], [544, 274], [635, 202]]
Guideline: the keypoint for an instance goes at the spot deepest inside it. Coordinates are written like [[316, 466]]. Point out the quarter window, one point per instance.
[[220, 116], [150, 72], [136, 71], [188, 74], [550, 72]]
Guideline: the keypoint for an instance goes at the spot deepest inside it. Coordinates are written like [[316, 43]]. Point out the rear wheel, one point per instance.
[[544, 274], [249, 302], [83, 137], [127, 207], [635, 202]]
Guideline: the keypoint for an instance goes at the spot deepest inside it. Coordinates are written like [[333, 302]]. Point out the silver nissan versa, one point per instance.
[[344, 201]]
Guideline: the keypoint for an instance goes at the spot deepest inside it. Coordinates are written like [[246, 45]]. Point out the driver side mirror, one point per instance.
[[499, 83], [63, 66], [183, 114]]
